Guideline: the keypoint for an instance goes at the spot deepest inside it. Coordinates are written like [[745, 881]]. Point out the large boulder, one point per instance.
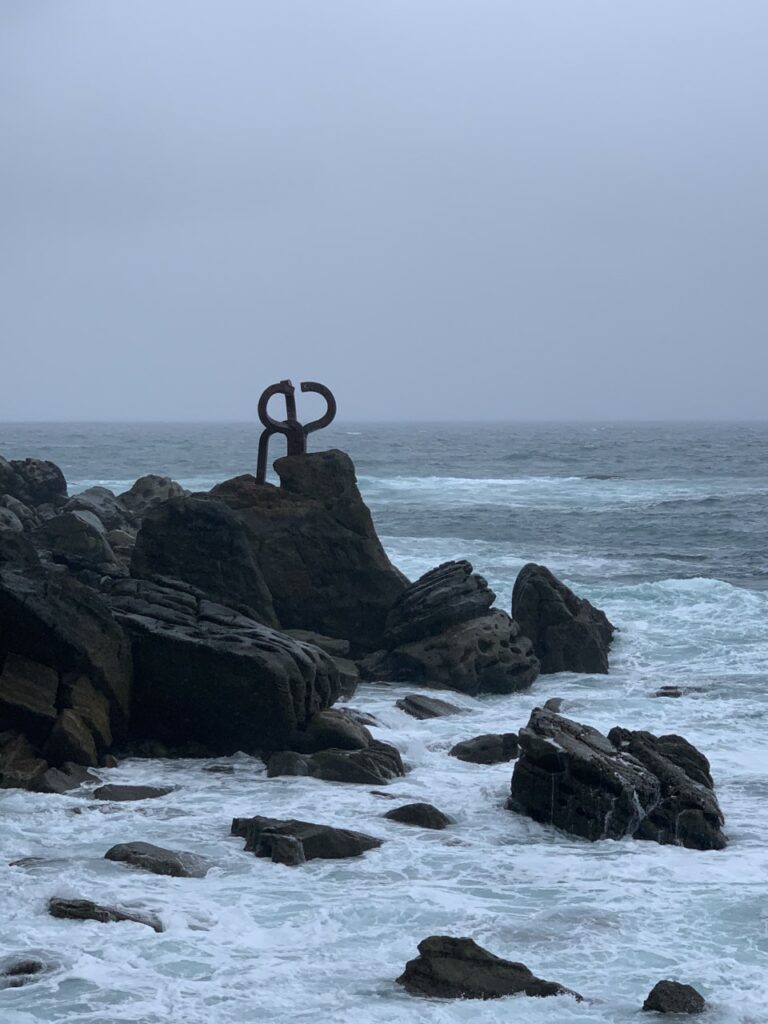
[[314, 541], [148, 491], [206, 673], [442, 631], [420, 814], [375, 765], [568, 633], [147, 857], [102, 503], [607, 787], [33, 481], [203, 543], [78, 540], [490, 748], [264, 838], [457, 968], [674, 997], [65, 665]]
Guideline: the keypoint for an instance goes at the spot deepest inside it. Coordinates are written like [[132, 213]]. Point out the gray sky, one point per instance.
[[441, 208]]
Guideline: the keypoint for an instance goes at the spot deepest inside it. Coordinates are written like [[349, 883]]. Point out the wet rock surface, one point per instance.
[[159, 861], [126, 794], [420, 814], [491, 748], [457, 968], [375, 765], [567, 632], [293, 842], [418, 706], [87, 910], [606, 787], [674, 997]]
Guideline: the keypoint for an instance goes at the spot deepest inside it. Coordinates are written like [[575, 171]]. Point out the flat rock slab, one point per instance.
[[87, 910], [420, 707], [421, 814], [126, 793], [293, 842], [159, 861], [490, 748], [674, 997], [457, 968]]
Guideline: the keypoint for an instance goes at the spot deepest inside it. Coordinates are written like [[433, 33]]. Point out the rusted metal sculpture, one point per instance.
[[295, 432]]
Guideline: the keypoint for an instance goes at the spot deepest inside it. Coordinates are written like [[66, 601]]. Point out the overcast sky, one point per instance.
[[449, 209]]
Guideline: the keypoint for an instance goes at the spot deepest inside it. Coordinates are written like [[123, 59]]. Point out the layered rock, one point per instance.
[[457, 968], [607, 787], [567, 632], [293, 842], [314, 541], [420, 707], [205, 673], [442, 632]]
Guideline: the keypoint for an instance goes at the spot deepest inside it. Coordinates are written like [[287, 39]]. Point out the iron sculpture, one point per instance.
[[295, 432]]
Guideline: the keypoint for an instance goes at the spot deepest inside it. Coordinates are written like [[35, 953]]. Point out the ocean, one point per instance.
[[665, 527]]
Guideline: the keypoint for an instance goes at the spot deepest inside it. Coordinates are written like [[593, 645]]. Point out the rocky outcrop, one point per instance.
[[33, 481], [314, 541], [205, 673], [418, 706], [491, 748], [624, 784], [294, 842], [159, 861], [102, 503], [457, 968], [420, 814], [334, 728], [202, 542], [87, 910], [376, 765], [148, 491], [568, 633], [442, 631], [674, 997]]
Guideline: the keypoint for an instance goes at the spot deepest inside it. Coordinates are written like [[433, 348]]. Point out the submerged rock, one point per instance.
[[423, 815], [457, 968], [418, 706], [87, 910], [293, 842], [21, 969], [491, 748], [374, 765], [123, 794], [624, 784], [673, 997], [568, 633], [159, 861]]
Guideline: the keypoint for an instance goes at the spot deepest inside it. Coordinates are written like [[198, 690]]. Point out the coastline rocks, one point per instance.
[[159, 861], [442, 632], [33, 481], [20, 765], [420, 814], [314, 541], [123, 794], [674, 997], [626, 784], [21, 969], [420, 707], [375, 765], [205, 674], [87, 910], [491, 748], [78, 540], [148, 491], [457, 968], [103, 504], [331, 728], [568, 633], [294, 842], [202, 542]]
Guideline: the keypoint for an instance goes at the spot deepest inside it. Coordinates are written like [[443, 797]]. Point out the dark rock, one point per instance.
[[453, 968], [293, 842], [361, 717], [93, 707], [423, 815], [554, 704], [21, 969], [148, 491], [20, 765], [331, 645], [673, 997], [10, 521], [87, 910], [483, 655], [202, 542], [25, 515], [349, 676], [375, 765], [159, 861], [421, 707], [315, 543], [491, 748], [28, 692], [65, 779], [71, 740], [219, 769], [17, 550], [206, 673], [124, 794], [102, 503], [443, 597], [78, 540], [571, 776], [33, 481], [567, 632], [331, 728]]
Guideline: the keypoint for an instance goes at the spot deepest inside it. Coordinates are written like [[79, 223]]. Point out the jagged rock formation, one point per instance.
[[294, 842], [626, 784], [567, 632], [457, 968], [205, 673], [442, 631]]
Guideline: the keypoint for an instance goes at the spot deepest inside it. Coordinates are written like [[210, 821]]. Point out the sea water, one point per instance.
[[663, 526]]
